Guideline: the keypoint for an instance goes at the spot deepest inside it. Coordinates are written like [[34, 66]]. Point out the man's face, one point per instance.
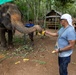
[[30, 21], [62, 22]]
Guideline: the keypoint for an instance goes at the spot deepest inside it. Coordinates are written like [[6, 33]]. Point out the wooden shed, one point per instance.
[[74, 23], [53, 19]]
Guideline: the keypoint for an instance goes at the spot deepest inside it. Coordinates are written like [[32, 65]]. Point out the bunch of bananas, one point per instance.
[[42, 33]]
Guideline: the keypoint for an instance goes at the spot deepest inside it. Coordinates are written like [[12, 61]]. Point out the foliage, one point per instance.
[[22, 7], [37, 9], [63, 5]]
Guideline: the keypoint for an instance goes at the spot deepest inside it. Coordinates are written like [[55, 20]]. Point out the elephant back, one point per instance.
[[11, 9]]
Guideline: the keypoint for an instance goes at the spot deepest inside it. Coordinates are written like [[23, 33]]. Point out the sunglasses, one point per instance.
[[62, 19]]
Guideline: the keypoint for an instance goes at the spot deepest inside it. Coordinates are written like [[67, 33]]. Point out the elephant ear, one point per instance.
[[5, 17], [6, 21], [4, 8]]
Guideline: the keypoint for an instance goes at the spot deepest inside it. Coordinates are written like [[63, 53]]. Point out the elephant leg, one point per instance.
[[2, 37], [10, 38]]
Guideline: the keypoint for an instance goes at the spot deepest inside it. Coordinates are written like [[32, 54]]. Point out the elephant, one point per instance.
[[11, 20]]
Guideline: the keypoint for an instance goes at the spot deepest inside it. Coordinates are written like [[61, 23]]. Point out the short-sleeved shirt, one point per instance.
[[75, 35], [63, 41]]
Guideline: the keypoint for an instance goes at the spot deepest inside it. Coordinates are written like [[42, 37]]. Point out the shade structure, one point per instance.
[[4, 1]]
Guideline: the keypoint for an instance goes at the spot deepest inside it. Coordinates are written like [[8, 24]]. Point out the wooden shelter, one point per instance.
[[53, 19], [74, 23]]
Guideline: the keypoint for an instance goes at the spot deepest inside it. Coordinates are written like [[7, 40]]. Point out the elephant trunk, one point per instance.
[[15, 19], [18, 25]]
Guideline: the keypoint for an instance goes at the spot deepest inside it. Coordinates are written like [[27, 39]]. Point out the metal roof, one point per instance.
[[51, 16], [55, 12]]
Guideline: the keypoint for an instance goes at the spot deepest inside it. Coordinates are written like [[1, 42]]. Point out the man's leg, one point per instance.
[[31, 38], [63, 65]]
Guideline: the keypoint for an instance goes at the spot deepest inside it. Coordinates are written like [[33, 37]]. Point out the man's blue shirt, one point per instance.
[[29, 25], [63, 40]]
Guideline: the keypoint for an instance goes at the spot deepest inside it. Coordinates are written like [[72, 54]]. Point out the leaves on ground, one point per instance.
[[74, 63], [39, 61], [2, 56]]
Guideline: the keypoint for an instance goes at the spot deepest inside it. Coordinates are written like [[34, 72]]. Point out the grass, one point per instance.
[[39, 61], [20, 50], [18, 40]]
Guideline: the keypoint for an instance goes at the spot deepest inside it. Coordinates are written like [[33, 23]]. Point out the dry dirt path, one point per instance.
[[40, 61]]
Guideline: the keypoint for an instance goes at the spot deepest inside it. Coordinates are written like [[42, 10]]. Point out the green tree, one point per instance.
[[63, 5], [36, 9]]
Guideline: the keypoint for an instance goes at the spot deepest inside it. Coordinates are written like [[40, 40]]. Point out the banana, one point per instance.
[[53, 51], [43, 32]]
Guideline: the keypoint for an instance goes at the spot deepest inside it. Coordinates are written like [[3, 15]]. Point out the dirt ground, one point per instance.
[[39, 61]]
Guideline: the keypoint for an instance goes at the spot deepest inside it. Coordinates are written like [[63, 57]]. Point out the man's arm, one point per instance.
[[50, 33], [70, 46]]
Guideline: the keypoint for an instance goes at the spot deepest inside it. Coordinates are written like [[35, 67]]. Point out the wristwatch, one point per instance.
[[59, 50]]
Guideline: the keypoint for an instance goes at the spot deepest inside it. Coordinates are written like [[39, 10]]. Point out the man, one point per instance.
[[28, 25], [65, 43]]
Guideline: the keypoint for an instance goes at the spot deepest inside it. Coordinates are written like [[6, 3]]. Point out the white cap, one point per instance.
[[68, 18]]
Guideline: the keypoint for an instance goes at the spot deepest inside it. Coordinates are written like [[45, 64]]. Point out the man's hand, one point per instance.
[[55, 51], [50, 33]]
